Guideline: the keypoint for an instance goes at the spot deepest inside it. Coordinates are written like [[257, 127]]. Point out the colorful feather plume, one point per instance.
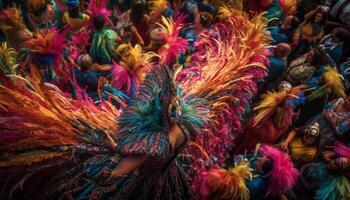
[[271, 100], [331, 84], [143, 123], [283, 175], [48, 46], [11, 18], [229, 62], [8, 57], [228, 184], [134, 65], [98, 8], [157, 7], [35, 116], [174, 44], [332, 186]]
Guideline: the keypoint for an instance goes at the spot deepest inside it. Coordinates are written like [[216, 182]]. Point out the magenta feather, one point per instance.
[[98, 8], [122, 78], [283, 175], [341, 149]]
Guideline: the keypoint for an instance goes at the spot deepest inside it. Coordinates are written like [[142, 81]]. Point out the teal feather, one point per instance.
[[331, 186], [100, 44], [144, 125]]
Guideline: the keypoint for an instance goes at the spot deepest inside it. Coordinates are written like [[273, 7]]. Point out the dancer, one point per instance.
[[275, 114]]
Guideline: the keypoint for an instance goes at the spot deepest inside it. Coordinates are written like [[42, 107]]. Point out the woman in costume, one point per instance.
[[103, 44], [74, 130], [327, 179], [302, 144], [74, 17], [274, 115], [311, 31], [334, 121]]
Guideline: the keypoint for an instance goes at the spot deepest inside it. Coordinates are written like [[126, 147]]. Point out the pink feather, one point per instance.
[[342, 150], [98, 8], [283, 175], [173, 43], [122, 78]]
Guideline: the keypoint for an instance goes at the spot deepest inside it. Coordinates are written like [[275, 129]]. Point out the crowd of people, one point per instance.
[[91, 105]]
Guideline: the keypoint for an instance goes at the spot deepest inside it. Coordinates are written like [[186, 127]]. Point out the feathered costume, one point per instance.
[[47, 50], [332, 186], [329, 84], [45, 129], [225, 70], [274, 115], [244, 181]]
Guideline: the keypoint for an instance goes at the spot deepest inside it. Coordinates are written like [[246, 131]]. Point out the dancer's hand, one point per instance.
[[284, 146]]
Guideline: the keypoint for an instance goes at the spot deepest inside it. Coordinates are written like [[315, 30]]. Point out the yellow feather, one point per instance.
[[230, 184], [8, 56], [333, 82], [157, 7]]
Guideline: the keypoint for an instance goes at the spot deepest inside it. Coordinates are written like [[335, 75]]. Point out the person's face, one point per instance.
[[284, 87], [318, 17], [309, 139]]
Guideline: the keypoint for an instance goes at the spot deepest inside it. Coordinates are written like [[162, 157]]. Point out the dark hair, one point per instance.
[[320, 58], [295, 23], [267, 166], [343, 34], [138, 9], [99, 22], [324, 16]]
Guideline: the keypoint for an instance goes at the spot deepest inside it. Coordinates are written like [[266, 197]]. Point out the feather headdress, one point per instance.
[[283, 175], [48, 47], [133, 68], [174, 44], [228, 184], [271, 100], [98, 8]]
